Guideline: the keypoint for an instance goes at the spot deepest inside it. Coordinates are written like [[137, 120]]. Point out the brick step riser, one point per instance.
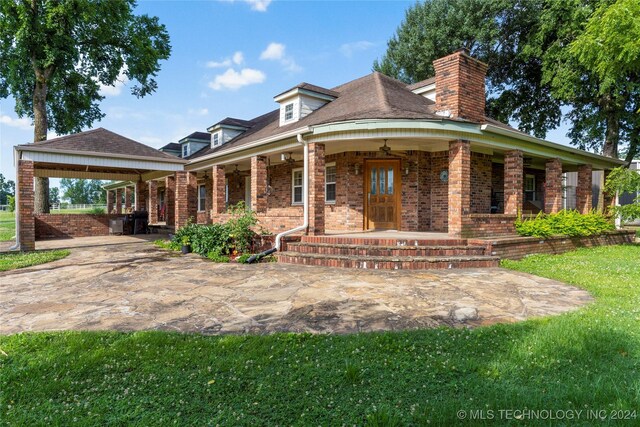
[[387, 265], [382, 242], [386, 252]]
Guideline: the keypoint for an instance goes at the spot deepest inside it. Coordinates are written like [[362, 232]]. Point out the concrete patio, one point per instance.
[[125, 283]]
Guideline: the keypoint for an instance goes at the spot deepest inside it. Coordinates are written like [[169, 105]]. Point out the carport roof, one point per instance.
[[100, 143]]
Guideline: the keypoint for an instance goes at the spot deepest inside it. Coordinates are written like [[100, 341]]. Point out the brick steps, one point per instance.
[[385, 250], [388, 263], [382, 242]]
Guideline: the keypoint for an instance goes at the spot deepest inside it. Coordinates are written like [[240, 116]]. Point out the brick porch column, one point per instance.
[[316, 189], [259, 184], [208, 200], [186, 198], [459, 186], [553, 186], [513, 182], [141, 196], [26, 204], [127, 198], [118, 200], [153, 202], [584, 196], [218, 191], [110, 201], [170, 199], [606, 200]]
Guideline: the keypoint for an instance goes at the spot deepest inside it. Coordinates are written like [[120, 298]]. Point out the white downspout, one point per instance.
[[16, 246], [305, 195]]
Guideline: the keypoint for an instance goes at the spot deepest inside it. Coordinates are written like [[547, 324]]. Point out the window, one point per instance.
[[330, 183], [288, 112], [296, 186], [216, 139], [185, 150], [530, 187], [202, 198]]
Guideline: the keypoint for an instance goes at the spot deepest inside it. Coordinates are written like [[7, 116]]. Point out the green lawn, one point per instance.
[[587, 360], [7, 225], [14, 260]]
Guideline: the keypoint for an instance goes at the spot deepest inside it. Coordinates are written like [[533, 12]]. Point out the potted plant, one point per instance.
[[186, 245]]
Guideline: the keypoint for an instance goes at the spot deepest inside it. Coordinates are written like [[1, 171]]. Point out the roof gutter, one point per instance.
[[533, 139], [97, 154]]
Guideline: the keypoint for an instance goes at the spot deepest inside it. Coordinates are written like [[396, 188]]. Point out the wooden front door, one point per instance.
[[382, 195]]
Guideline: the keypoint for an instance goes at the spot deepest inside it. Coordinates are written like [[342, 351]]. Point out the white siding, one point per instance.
[[107, 162], [229, 134], [308, 105]]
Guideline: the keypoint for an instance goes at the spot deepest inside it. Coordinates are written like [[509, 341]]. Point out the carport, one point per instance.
[[94, 154]]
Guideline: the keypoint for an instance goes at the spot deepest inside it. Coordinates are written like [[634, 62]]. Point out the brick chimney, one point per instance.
[[460, 86]]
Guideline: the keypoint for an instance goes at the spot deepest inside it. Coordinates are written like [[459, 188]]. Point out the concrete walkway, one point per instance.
[[131, 285]]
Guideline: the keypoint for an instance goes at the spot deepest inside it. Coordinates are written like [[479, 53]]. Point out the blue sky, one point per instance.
[[230, 58]]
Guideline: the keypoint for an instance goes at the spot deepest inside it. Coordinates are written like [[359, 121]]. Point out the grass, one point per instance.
[[14, 260], [7, 226], [588, 359]]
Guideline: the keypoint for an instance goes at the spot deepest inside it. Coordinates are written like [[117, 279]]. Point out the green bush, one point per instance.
[[97, 211], [216, 256], [12, 203], [242, 259], [564, 223], [241, 227]]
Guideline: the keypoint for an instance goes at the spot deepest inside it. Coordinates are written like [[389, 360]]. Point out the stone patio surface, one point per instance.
[[131, 285]]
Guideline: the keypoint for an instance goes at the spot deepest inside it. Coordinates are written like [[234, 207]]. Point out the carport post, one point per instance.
[[26, 222]]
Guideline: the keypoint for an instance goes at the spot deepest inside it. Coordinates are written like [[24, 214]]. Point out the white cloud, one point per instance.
[[23, 123], [233, 80], [116, 89], [198, 112], [273, 52], [348, 49], [237, 58], [277, 52], [257, 5]]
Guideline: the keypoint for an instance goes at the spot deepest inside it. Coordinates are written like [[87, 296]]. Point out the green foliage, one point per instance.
[[217, 256], [623, 180], [242, 259], [564, 223], [12, 261], [11, 201], [54, 196], [71, 48], [233, 237], [7, 189], [83, 191], [97, 211], [587, 358], [7, 225], [167, 244]]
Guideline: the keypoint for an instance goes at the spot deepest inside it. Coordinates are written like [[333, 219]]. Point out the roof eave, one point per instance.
[[98, 154]]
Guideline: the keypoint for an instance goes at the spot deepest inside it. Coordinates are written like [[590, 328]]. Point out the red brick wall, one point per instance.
[[518, 247], [483, 225], [186, 198], [259, 184], [316, 189], [513, 182], [236, 188], [584, 193], [111, 199], [460, 85], [347, 213], [118, 204], [127, 198], [25, 189], [553, 186], [142, 191], [56, 226], [153, 201], [459, 185], [497, 186], [170, 199], [204, 217], [439, 192], [481, 178]]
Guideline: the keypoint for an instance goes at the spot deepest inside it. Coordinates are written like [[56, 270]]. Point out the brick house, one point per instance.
[[375, 153]]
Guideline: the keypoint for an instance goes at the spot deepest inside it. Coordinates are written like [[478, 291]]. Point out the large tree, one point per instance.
[[55, 54], [82, 191], [534, 66], [7, 188]]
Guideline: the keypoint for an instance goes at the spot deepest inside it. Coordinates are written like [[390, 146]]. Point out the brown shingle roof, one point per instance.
[[374, 96], [100, 141], [198, 135], [311, 88], [425, 82]]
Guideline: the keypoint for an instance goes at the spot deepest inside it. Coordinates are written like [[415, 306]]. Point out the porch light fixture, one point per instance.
[[287, 158], [357, 168]]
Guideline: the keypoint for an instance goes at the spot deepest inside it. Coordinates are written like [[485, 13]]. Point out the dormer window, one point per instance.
[[288, 112], [216, 139], [185, 150]]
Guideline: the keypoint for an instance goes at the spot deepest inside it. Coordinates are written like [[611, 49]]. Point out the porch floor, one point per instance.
[[391, 235]]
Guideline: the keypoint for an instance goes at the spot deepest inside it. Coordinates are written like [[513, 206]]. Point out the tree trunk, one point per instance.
[[612, 136], [634, 143], [41, 193]]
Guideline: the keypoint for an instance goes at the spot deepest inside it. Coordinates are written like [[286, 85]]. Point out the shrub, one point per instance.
[[622, 180], [241, 227], [216, 256], [242, 259], [12, 203], [96, 211], [564, 223]]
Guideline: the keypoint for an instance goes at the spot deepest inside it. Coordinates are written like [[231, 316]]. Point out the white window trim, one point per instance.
[[185, 150], [293, 187], [216, 139], [290, 104], [533, 180], [200, 200], [326, 166]]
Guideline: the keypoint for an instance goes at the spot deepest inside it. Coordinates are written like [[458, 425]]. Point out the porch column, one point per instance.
[[218, 191], [118, 200], [259, 184], [186, 198], [553, 186], [316, 189], [141, 195], [25, 209], [170, 200], [459, 186], [606, 200], [208, 200], [513, 182], [127, 198], [153, 202], [584, 196], [110, 201]]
